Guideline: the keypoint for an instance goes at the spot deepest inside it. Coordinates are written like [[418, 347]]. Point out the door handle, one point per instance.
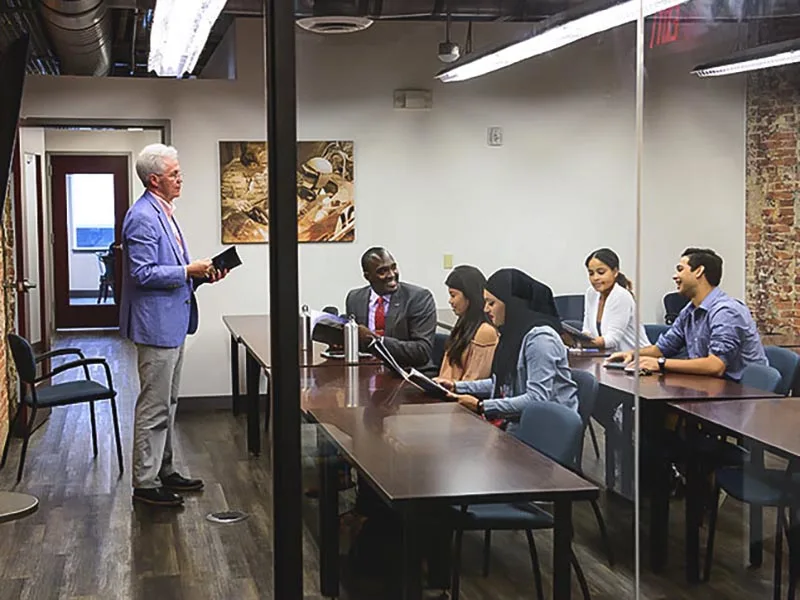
[[25, 285]]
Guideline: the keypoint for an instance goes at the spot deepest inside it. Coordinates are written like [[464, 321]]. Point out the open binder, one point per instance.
[[414, 377]]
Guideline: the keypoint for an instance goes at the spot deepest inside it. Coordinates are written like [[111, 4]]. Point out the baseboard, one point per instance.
[[211, 403]]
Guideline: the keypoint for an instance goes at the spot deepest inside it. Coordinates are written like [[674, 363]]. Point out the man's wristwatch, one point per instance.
[[480, 407], [662, 364]]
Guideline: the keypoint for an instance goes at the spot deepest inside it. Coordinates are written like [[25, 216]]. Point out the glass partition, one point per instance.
[[717, 231], [530, 167]]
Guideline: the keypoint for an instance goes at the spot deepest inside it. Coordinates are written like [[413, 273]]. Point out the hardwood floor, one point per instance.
[[88, 541]]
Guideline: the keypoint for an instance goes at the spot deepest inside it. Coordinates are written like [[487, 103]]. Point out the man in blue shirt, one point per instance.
[[717, 331]]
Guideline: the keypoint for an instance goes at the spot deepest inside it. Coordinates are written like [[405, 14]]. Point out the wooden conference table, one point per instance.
[[769, 423], [253, 332], [658, 395], [416, 453]]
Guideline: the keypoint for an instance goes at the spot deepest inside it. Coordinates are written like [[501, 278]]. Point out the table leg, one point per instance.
[[253, 378], [562, 550], [412, 557], [328, 518], [268, 406], [756, 513], [656, 465], [627, 449], [235, 396], [694, 505]]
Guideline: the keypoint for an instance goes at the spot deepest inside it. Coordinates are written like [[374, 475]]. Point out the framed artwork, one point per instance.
[[325, 201]]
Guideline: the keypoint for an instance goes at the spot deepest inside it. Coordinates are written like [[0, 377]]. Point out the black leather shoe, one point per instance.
[[157, 497], [179, 483]]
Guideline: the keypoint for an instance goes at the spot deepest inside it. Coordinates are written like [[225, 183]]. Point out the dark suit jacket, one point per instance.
[[410, 323]]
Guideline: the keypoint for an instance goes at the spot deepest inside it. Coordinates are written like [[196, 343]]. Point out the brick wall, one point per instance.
[[6, 316], [773, 213]]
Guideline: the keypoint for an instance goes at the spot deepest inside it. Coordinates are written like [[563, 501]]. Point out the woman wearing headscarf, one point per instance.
[[470, 348], [530, 363]]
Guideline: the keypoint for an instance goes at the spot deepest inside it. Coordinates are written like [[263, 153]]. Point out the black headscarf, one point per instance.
[[470, 282], [529, 303]]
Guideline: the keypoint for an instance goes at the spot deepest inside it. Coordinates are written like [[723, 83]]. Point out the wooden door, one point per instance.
[[90, 196]]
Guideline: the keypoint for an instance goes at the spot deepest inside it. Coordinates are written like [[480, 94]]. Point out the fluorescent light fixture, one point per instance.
[[760, 57], [179, 33], [557, 31]]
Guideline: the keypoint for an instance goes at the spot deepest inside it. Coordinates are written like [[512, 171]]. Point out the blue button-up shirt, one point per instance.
[[543, 375], [721, 326]]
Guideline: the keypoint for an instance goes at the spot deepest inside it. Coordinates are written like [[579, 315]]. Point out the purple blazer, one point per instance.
[[158, 306]]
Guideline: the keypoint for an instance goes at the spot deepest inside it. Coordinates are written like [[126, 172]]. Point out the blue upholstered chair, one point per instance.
[[555, 431]]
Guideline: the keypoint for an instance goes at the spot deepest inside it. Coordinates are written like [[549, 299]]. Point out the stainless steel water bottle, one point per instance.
[[351, 341], [305, 329]]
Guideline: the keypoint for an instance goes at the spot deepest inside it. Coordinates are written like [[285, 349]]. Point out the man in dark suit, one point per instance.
[[404, 315]]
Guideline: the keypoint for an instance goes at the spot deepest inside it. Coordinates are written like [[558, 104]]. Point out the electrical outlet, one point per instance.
[[494, 136], [448, 261]]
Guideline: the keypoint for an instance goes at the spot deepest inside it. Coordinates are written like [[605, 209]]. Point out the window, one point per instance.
[[90, 198]]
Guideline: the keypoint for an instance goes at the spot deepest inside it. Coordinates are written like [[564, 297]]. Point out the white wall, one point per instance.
[[426, 182], [84, 269], [693, 169]]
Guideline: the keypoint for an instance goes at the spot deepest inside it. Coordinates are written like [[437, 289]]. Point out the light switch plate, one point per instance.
[[448, 261]]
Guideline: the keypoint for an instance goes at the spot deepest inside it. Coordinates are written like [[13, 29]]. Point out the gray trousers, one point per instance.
[[154, 418]]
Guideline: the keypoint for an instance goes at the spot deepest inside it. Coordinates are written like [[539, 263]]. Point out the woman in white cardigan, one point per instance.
[[609, 307]]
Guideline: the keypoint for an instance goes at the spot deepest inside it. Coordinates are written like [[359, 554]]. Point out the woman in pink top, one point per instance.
[[470, 349]]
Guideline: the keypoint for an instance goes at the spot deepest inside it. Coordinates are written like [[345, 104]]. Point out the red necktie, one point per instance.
[[380, 316]]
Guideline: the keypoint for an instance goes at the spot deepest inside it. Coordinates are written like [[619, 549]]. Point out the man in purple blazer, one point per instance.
[[158, 310]]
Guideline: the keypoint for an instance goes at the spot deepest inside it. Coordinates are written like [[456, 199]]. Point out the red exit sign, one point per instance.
[[666, 26]]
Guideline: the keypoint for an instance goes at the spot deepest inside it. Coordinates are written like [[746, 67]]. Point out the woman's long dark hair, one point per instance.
[[609, 258], [529, 303], [470, 282]]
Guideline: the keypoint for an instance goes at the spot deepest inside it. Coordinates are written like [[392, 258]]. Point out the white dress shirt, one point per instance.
[[373, 306], [618, 326]]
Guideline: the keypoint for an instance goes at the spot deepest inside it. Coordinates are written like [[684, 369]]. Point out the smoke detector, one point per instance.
[[334, 24]]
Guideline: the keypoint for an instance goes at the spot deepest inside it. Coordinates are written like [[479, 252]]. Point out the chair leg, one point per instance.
[[776, 584], [455, 582], [595, 445], [537, 573], [94, 428], [712, 529], [581, 577], [487, 549], [601, 524], [11, 428], [790, 529], [25, 444], [116, 434]]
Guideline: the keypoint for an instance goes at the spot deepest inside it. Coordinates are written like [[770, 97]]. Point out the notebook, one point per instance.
[[227, 259]]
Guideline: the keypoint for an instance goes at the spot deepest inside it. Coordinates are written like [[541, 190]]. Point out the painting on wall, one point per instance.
[[325, 202]]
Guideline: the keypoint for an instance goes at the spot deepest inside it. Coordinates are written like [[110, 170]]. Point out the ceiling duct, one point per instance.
[[335, 16], [81, 34]]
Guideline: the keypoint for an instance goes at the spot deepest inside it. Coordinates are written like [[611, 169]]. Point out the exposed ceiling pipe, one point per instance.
[[81, 34], [134, 35]]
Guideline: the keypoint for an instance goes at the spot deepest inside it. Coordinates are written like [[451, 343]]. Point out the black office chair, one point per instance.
[[59, 394], [106, 263], [437, 354], [673, 305], [570, 307]]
